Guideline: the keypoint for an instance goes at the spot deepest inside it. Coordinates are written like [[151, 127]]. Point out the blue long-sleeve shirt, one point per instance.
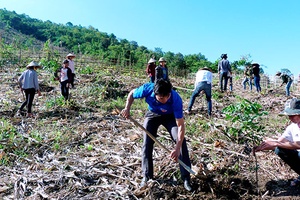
[[224, 66], [29, 79]]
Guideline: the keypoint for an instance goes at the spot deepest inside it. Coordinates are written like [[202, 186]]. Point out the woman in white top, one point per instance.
[[203, 83], [63, 75]]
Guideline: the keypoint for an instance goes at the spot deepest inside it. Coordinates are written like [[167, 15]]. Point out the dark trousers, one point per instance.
[[29, 94], [290, 157], [72, 80], [223, 78], [64, 89], [151, 124]]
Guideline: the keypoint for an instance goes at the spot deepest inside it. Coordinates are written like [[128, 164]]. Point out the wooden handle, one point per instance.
[[159, 144]]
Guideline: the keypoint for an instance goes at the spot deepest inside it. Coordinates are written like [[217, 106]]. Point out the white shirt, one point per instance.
[[292, 133], [203, 75], [72, 65], [63, 74]]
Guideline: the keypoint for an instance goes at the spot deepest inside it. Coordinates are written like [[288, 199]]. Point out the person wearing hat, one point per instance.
[[70, 58], [286, 79], [287, 146], [29, 84], [161, 71], [64, 75], [256, 76], [150, 70], [223, 69], [203, 84]]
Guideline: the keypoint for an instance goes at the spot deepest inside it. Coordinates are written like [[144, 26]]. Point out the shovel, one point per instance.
[[157, 142]]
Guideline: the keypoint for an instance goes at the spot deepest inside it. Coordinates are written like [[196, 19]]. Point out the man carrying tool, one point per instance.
[[286, 79], [165, 108]]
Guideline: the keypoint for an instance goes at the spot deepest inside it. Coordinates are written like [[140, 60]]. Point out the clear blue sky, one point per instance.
[[268, 30]]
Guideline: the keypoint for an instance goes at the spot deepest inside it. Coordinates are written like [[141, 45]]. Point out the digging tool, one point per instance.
[[177, 87], [157, 142], [22, 91]]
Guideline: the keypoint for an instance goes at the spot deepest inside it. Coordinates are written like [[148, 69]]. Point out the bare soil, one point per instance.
[[85, 150]]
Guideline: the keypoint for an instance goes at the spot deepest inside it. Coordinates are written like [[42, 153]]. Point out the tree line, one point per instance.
[[107, 47]]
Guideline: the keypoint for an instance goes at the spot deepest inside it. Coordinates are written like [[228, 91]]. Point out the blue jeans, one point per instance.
[[249, 81], [290, 157], [207, 89], [257, 83], [223, 78], [287, 88], [151, 124]]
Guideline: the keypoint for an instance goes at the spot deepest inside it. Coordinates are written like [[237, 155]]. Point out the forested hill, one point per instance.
[[90, 41]]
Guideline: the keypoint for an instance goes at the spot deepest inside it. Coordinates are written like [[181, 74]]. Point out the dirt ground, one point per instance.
[[99, 157]]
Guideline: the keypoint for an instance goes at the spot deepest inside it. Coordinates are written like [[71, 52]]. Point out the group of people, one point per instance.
[[251, 72], [225, 74], [165, 107], [157, 72], [29, 84]]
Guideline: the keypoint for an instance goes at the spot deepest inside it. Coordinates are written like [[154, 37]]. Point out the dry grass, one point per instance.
[[84, 150]]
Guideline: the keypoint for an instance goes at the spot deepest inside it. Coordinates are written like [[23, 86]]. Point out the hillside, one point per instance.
[[84, 150], [91, 42]]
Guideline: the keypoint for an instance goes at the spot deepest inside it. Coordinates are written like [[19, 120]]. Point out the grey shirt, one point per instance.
[[224, 66], [29, 79]]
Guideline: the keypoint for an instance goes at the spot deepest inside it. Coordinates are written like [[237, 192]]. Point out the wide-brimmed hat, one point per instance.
[[70, 55], [162, 59], [278, 73], [33, 64], [291, 107], [255, 64], [152, 60], [206, 68], [224, 55]]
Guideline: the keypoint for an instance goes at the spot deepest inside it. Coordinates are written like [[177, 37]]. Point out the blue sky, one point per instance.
[[268, 30]]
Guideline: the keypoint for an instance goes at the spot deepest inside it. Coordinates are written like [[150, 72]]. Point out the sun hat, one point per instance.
[[224, 55], [278, 73], [33, 64], [152, 60], [162, 59], [70, 55], [255, 64], [291, 107], [207, 68]]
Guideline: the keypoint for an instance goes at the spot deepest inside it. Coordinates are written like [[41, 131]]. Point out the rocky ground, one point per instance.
[[84, 150]]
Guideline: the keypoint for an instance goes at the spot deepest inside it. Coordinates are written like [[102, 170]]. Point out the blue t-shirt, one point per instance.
[[172, 106]]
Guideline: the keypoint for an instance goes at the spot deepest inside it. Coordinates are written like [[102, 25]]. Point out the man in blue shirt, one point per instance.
[[165, 108]]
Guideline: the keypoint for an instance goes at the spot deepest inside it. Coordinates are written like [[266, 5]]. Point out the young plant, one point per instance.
[[244, 118]]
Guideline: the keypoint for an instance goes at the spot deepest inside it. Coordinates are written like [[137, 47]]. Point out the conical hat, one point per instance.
[[33, 64], [70, 55], [151, 60]]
